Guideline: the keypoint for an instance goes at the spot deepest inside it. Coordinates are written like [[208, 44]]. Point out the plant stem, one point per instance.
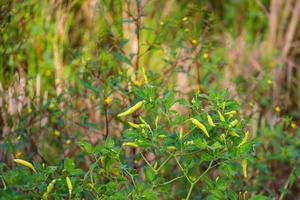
[[170, 181], [286, 185], [190, 191], [106, 123]]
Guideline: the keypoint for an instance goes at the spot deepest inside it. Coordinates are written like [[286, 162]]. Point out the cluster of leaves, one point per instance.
[[163, 152]]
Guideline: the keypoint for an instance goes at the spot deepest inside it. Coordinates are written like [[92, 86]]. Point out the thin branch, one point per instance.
[[286, 185]]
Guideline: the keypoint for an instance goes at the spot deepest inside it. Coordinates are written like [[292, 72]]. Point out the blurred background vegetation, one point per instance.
[[53, 53]]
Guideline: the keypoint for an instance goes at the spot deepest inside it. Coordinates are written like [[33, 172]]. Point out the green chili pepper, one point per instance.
[[130, 144], [50, 188], [210, 121], [221, 116], [200, 126], [244, 166], [234, 123], [70, 186], [25, 163], [244, 140], [132, 109]]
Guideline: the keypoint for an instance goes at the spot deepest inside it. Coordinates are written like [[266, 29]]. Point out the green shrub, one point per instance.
[[169, 149]]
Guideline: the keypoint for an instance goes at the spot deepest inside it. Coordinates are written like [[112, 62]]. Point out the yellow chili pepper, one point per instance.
[[25, 163], [70, 186], [234, 134], [162, 136], [180, 134], [244, 140], [189, 143], [221, 116], [171, 148], [223, 105], [244, 166], [156, 121], [223, 137], [136, 125], [133, 125], [49, 189], [155, 165], [145, 75], [132, 109], [210, 121], [230, 113], [234, 123], [143, 121], [130, 144], [200, 126]]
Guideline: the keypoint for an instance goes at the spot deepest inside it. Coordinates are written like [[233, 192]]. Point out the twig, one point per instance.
[[286, 185]]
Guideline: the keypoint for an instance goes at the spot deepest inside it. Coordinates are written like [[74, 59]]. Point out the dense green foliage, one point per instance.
[[174, 99]]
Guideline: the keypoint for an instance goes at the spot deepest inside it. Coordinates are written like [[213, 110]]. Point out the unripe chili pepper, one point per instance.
[[70, 186], [142, 120], [171, 148], [244, 140], [221, 116], [145, 75], [132, 109], [50, 188], [156, 121], [230, 113], [155, 165], [223, 105], [200, 126], [162, 136], [234, 123], [210, 121], [25, 163], [234, 134], [244, 166], [136, 125], [180, 134], [223, 137], [189, 142], [130, 144]]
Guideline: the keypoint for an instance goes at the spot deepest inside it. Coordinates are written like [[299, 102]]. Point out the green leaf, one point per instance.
[[69, 166], [88, 85], [259, 197], [87, 146], [149, 173], [122, 58]]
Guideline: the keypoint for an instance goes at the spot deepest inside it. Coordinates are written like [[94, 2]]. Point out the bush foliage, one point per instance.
[[172, 99]]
